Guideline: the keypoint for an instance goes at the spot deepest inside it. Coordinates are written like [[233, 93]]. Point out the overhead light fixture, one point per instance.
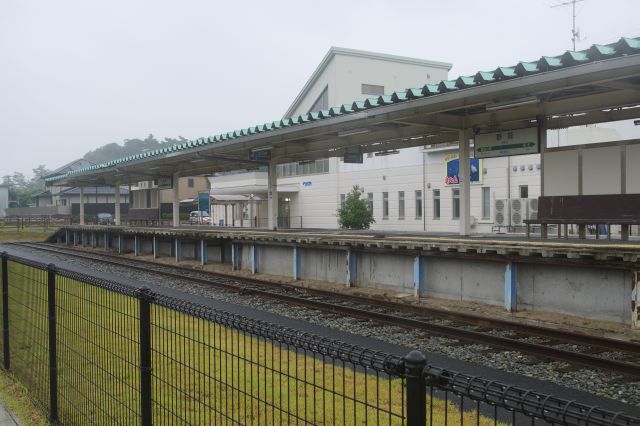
[[352, 132], [387, 152], [262, 148], [512, 103]]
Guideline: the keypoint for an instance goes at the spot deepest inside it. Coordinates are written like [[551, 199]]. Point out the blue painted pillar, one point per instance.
[[510, 287], [75, 238], [136, 245], [351, 268], [297, 272], [106, 242], [235, 262], [66, 237], [119, 243], [178, 250], [254, 259], [418, 276], [204, 253], [94, 240], [154, 247]]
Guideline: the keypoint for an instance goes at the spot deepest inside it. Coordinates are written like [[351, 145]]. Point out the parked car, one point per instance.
[[199, 218], [105, 219]]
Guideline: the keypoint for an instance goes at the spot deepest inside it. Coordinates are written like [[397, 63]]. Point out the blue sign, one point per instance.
[[203, 201], [453, 171], [307, 183]]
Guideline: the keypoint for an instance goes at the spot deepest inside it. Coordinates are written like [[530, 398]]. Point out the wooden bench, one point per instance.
[[583, 210], [137, 217]]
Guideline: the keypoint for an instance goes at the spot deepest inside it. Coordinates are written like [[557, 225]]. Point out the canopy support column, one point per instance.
[[176, 200], [465, 187], [82, 205], [272, 190], [117, 203]]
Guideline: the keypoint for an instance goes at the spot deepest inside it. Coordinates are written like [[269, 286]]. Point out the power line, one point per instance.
[[574, 34]]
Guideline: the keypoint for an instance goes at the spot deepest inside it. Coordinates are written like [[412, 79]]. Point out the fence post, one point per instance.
[[5, 311], [416, 391], [145, 297], [53, 362]]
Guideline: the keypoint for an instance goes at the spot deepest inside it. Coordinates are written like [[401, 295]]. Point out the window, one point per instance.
[[372, 89], [524, 191], [436, 204], [400, 204], [304, 168], [190, 182], [343, 200], [322, 102], [456, 203], [385, 205], [370, 201], [418, 204], [486, 202]]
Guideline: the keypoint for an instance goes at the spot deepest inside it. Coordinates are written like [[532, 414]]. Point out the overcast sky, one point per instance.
[[75, 75]]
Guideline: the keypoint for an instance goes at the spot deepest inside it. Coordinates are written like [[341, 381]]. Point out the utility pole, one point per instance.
[[574, 34]]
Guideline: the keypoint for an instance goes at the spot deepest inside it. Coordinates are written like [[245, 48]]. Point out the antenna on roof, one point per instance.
[[574, 34]]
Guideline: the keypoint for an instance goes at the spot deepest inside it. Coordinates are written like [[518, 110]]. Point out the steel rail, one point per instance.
[[539, 350]]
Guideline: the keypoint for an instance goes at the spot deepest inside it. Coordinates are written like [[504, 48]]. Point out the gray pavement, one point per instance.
[[6, 417]]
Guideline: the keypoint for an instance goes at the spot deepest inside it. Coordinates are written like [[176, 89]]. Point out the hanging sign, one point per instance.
[[203, 201], [509, 142], [165, 182]]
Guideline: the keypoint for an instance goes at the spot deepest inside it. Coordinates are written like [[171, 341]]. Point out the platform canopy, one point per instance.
[[595, 85]]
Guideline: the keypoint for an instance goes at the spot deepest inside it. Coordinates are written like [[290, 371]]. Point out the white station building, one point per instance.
[[408, 189]]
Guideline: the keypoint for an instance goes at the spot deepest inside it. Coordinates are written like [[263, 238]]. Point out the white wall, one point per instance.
[[593, 170], [4, 200], [352, 72]]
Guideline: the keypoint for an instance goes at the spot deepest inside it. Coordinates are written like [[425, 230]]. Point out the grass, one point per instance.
[[35, 233], [203, 372]]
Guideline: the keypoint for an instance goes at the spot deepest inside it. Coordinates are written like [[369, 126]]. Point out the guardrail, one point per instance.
[[88, 348]]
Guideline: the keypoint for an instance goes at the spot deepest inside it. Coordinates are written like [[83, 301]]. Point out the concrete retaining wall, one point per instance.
[[323, 265], [589, 292], [602, 293], [468, 280]]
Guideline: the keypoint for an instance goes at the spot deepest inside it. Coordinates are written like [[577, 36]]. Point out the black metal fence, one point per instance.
[[94, 350]]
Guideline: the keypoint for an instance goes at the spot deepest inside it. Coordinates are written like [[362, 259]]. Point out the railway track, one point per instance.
[[461, 326]]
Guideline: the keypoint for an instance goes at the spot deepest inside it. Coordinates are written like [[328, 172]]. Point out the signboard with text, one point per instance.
[[165, 182], [453, 170], [506, 143], [203, 201]]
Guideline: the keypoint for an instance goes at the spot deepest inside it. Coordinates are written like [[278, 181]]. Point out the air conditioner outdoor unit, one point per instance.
[[518, 210], [501, 216], [532, 208]]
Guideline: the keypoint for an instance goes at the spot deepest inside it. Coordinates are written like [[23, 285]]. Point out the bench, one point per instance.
[[143, 217], [583, 210]]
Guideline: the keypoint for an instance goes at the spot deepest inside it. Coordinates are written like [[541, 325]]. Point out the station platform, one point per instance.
[[614, 250], [597, 279]]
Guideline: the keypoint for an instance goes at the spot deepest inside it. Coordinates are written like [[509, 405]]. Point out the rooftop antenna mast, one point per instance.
[[574, 34]]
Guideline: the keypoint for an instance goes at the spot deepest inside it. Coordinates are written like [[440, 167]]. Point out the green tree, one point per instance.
[[355, 214]]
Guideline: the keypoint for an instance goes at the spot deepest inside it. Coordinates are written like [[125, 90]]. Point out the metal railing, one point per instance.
[[88, 348]]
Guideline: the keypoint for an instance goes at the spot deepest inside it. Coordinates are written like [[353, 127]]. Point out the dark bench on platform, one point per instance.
[[143, 217], [583, 210]]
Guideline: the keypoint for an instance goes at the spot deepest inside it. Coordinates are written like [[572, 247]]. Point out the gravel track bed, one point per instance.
[[597, 382]]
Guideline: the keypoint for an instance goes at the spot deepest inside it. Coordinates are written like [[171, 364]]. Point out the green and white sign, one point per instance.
[[509, 142], [165, 182]]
